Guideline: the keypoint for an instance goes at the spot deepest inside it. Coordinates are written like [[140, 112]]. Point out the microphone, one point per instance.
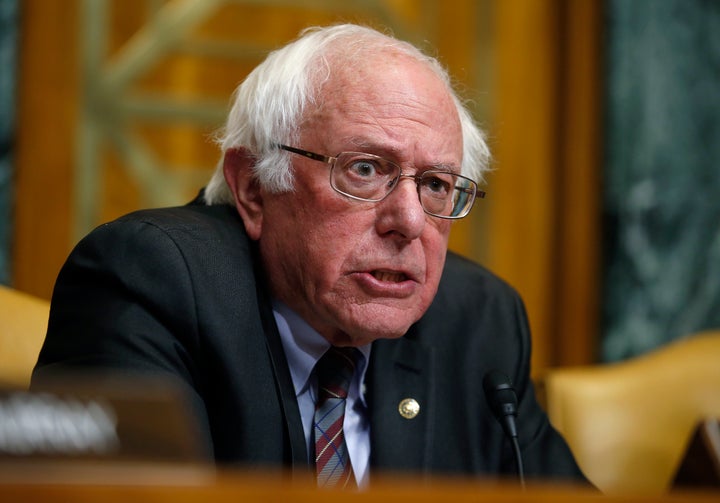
[[503, 402]]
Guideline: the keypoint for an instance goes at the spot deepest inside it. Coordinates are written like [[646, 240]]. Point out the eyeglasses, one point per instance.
[[367, 177]]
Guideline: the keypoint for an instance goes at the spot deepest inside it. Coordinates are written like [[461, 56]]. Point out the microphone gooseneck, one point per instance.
[[501, 398]]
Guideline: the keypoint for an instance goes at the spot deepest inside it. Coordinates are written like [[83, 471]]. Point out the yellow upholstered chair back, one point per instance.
[[23, 323], [629, 423]]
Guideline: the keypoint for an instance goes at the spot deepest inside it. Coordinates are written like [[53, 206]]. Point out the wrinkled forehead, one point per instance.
[[354, 74], [400, 112]]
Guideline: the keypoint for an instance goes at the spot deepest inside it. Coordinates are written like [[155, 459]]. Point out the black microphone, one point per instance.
[[503, 402]]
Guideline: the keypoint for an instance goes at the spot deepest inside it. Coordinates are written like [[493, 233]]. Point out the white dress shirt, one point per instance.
[[303, 348]]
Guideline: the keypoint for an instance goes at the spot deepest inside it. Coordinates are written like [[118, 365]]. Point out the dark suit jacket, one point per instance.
[[178, 292]]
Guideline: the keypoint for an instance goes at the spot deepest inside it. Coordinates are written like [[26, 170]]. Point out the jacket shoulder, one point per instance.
[[464, 278], [188, 218]]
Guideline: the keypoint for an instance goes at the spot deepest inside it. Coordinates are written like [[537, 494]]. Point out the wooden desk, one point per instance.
[[43, 483]]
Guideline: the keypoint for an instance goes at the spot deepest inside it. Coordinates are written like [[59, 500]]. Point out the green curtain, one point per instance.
[[662, 173], [8, 67]]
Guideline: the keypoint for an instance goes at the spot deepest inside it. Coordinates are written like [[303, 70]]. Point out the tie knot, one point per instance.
[[335, 371]]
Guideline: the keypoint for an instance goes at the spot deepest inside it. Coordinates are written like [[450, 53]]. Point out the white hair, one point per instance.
[[269, 105]]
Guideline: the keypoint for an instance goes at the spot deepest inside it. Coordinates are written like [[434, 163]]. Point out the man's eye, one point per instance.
[[363, 168], [436, 185]]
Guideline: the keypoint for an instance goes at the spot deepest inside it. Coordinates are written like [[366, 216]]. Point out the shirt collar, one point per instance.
[[304, 346]]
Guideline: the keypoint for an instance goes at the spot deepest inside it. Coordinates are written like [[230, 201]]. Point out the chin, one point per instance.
[[383, 334], [357, 324], [379, 326], [362, 337]]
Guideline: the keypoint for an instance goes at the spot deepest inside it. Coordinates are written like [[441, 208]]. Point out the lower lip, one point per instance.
[[373, 286]]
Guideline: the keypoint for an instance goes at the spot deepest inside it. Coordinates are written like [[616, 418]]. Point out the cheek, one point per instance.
[[306, 249], [435, 248], [333, 242], [435, 241], [284, 241]]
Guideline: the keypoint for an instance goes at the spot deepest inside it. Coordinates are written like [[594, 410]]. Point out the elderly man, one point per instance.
[[306, 299]]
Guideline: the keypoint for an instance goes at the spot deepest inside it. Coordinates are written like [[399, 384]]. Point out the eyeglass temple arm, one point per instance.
[[478, 193], [305, 153]]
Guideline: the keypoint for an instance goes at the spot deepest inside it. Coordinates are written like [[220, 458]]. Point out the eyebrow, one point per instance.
[[372, 147], [392, 154]]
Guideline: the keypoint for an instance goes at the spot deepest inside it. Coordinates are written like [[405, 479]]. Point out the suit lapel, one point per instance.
[[294, 433], [400, 370]]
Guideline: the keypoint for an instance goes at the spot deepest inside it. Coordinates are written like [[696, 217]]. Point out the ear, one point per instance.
[[238, 166]]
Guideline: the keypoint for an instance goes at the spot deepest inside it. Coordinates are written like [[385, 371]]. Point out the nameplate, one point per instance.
[[132, 419]]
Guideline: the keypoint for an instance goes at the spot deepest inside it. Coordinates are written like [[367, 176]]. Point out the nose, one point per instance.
[[401, 213]]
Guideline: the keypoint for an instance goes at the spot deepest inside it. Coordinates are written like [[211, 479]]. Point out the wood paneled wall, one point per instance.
[[48, 87], [545, 219], [538, 228]]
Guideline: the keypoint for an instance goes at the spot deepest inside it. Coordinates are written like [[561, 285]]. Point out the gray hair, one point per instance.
[[268, 106]]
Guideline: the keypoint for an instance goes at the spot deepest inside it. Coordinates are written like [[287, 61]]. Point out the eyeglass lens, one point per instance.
[[371, 178]]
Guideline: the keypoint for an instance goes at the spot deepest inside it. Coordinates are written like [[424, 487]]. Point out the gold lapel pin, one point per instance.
[[409, 408]]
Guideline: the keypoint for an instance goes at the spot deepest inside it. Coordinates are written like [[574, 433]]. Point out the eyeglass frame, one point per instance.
[[332, 159]]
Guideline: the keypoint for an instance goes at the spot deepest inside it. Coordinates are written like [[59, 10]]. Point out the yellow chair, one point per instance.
[[629, 423], [23, 323]]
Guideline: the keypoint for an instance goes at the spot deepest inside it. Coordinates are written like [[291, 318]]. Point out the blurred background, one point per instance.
[[603, 209]]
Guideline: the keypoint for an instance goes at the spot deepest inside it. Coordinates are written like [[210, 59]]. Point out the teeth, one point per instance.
[[393, 277]]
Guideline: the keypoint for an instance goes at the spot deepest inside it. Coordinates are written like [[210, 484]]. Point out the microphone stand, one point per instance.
[[502, 399]]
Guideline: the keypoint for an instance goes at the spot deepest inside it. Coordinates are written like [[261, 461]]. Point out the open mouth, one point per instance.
[[389, 276]]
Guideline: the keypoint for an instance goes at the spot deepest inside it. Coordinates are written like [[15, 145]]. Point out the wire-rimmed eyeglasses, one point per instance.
[[367, 177]]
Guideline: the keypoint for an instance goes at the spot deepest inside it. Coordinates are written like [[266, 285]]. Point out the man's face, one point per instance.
[[358, 271]]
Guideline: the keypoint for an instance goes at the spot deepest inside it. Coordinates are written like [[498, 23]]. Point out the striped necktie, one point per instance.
[[335, 373]]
